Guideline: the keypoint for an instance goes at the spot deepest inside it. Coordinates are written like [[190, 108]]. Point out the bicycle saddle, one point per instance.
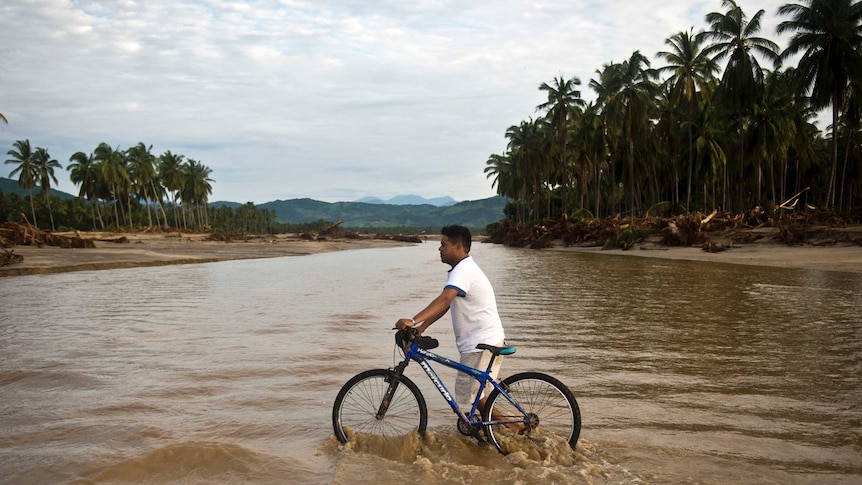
[[497, 350]]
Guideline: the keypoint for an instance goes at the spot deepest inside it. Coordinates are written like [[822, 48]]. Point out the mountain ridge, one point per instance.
[[475, 214]]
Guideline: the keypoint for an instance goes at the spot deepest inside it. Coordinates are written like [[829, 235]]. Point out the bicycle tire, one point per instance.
[[542, 396], [355, 408]]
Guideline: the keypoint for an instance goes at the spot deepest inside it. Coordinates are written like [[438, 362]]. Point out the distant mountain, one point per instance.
[[412, 211], [9, 186], [475, 214], [411, 200], [219, 203]]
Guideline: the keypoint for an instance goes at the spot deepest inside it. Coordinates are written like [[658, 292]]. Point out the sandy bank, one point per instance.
[[148, 249], [824, 258], [763, 248], [156, 249]]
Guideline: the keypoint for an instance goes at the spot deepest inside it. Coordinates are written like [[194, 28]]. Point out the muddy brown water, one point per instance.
[[222, 373]]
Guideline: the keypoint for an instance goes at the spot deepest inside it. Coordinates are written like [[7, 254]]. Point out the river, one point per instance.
[[222, 373]]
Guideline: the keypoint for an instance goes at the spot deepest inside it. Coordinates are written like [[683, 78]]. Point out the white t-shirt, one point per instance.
[[474, 311]]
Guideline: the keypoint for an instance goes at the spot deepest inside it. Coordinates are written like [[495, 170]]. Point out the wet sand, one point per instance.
[[158, 249], [155, 249], [824, 258]]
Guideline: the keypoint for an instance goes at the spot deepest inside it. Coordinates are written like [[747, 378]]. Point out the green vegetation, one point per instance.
[[712, 128], [680, 138], [117, 188]]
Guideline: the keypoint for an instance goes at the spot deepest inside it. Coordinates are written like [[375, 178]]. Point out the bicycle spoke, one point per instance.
[[357, 405]]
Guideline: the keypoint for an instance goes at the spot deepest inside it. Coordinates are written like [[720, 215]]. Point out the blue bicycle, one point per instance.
[[528, 405]]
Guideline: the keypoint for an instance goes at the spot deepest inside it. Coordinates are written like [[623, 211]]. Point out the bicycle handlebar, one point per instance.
[[411, 335]]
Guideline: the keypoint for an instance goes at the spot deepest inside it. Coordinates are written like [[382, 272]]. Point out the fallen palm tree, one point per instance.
[[17, 234], [713, 232]]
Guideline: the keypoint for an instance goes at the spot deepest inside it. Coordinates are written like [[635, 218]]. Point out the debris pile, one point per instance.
[[15, 234], [713, 232]]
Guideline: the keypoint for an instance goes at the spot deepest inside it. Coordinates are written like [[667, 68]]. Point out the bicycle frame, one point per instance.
[[421, 357]]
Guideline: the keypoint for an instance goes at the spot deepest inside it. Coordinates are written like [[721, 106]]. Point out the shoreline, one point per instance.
[[832, 250], [125, 250], [846, 259], [159, 249]]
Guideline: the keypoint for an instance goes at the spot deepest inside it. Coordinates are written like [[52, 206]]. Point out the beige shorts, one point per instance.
[[466, 387]]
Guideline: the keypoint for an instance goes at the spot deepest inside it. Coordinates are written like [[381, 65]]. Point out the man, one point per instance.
[[469, 295]]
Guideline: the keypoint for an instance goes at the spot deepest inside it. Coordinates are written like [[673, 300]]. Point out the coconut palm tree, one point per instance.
[[114, 173], [851, 121], [630, 107], [86, 172], [562, 98], [710, 139], [771, 128], [527, 150], [45, 166], [142, 173], [26, 170], [733, 37], [828, 34], [607, 83], [499, 169], [692, 71], [3, 118], [171, 176], [196, 189]]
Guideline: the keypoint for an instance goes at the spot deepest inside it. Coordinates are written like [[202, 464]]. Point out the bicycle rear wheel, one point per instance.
[[357, 404], [555, 416]]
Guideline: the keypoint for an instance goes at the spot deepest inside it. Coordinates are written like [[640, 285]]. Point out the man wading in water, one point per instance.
[[469, 295]]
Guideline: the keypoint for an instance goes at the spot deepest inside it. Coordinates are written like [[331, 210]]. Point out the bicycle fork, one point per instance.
[[394, 378]]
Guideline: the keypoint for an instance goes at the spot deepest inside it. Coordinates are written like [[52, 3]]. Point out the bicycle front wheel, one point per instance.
[[357, 405], [553, 411]]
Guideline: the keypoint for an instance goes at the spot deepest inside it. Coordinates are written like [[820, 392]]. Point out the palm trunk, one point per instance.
[[33, 209], [632, 176], [830, 193], [690, 158], [93, 211], [741, 187], [50, 213]]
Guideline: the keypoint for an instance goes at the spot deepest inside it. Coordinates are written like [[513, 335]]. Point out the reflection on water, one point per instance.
[[685, 372]]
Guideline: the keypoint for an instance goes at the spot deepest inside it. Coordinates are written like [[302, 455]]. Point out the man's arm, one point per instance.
[[431, 313]]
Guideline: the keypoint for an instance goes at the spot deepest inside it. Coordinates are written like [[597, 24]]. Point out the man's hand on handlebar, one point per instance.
[[403, 323]]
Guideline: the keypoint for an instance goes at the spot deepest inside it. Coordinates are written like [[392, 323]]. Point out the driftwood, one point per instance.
[[8, 256], [15, 234], [715, 232]]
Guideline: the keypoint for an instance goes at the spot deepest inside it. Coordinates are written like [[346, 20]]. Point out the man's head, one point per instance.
[[454, 244]]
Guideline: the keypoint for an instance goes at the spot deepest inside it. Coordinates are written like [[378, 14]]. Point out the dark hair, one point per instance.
[[457, 233]]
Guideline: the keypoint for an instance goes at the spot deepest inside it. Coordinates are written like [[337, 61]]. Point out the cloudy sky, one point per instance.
[[332, 100]]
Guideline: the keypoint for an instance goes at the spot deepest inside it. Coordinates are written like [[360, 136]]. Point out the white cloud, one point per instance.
[[332, 100]]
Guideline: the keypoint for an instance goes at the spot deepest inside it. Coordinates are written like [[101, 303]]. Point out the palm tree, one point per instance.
[[114, 173], [196, 189], [171, 176], [499, 169], [527, 151], [606, 85], [142, 172], [709, 148], [45, 166], [692, 71], [3, 118], [590, 143], [86, 172], [562, 98], [629, 108], [828, 34], [771, 127], [733, 37], [27, 172]]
